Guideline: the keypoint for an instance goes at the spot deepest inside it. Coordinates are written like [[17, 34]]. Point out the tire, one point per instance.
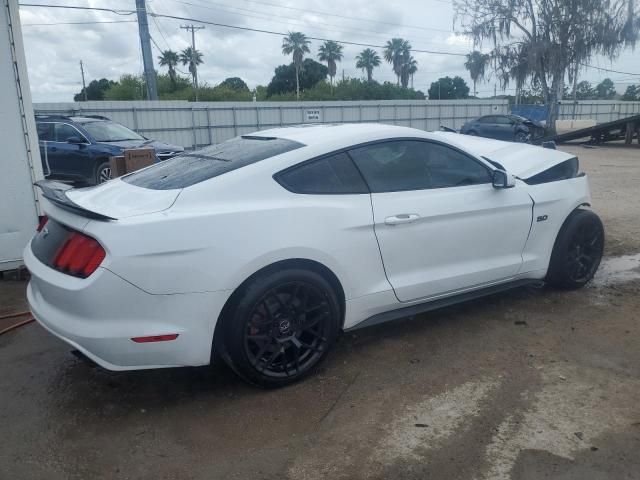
[[103, 173], [577, 251], [280, 327], [522, 137]]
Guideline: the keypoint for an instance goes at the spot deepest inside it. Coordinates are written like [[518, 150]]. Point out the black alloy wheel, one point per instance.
[[282, 328], [286, 333], [584, 253], [577, 251]]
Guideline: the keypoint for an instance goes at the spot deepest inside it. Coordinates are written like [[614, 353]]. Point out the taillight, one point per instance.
[[80, 255], [42, 221]]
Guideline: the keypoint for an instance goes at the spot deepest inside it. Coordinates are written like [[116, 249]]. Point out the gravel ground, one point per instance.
[[528, 384]]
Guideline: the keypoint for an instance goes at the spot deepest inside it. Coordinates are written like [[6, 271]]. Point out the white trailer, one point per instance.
[[20, 164]]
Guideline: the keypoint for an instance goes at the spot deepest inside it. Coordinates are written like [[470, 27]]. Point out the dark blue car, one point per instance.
[[77, 149], [505, 127]]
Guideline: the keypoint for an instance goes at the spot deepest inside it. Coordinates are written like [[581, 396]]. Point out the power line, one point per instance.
[[306, 10], [75, 7], [282, 34], [286, 20], [77, 23], [609, 70]]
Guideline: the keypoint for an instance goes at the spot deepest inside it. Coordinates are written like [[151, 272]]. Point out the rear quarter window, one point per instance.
[[195, 167]]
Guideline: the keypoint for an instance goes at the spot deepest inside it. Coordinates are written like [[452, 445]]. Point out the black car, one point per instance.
[[505, 127], [77, 149]]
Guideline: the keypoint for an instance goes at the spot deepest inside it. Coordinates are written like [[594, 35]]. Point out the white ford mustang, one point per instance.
[[259, 250]]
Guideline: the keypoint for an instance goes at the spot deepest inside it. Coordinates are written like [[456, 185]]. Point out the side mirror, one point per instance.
[[502, 179], [75, 140]]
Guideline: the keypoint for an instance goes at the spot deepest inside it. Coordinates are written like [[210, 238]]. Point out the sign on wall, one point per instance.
[[313, 115]]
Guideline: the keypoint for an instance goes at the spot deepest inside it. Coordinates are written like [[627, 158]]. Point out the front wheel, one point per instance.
[[577, 251], [281, 327], [522, 137]]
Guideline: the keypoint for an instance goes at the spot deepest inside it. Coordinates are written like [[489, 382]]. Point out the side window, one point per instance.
[[334, 174], [488, 119], [414, 165], [502, 120], [45, 132], [451, 168], [394, 166], [64, 131]]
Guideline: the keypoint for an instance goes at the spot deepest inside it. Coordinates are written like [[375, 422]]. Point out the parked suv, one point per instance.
[[505, 127], [78, 148]]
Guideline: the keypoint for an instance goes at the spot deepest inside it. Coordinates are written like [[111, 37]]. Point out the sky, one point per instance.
[[53, 51]]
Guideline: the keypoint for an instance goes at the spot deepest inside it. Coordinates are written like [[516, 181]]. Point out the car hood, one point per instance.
[[117, 199], [158, 146], [519, 159]]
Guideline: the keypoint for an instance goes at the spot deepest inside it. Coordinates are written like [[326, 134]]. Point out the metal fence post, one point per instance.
[[258, 117], [193, 128], [134, 112], [235, 122], [209, 136], [280, 114]]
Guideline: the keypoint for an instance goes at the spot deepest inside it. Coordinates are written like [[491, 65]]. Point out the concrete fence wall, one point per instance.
[[195, 124]]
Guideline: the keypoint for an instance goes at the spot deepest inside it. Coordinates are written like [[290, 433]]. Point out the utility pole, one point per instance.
[[147, 57], [84, 86], [193, 29]]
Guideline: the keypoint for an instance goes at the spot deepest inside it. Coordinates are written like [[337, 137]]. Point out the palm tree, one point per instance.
[[367, 60], [170, 59], [296, 43], [193, 58], [476, 63], [330, 52], [396, 52], [411, 68]]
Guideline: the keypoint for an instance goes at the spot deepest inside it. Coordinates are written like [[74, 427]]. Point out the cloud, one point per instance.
[[112, 49]]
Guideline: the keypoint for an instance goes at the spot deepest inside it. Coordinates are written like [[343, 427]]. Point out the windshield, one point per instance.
[[110, 132]]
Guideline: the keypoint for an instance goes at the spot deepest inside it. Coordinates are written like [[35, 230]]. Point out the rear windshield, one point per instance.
[[195, 167]]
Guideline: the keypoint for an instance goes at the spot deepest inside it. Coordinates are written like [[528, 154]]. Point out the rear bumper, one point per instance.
[[100, 315]]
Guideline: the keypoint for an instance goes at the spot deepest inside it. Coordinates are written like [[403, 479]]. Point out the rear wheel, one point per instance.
[[577, 251], [281, 327], [103, 173]]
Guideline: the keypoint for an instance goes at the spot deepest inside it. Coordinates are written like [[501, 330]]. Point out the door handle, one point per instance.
[[54, 149], [401, 218]]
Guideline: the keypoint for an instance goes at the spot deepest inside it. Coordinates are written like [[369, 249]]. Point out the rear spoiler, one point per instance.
[[55, 192]]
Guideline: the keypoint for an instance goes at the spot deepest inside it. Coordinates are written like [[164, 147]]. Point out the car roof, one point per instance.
[[319, 134]]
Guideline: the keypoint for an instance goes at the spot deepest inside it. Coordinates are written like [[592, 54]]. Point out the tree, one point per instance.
[[632, 93], [95, 90], [330, 52], [193, 58], [397, 52], [476, 64], [128, 87], [296, 44], [170, 59], [286, 78], [367, 60], [409, 68], [605, 90], [546, 40], [235, 83], [584, 91], [447, 88]]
